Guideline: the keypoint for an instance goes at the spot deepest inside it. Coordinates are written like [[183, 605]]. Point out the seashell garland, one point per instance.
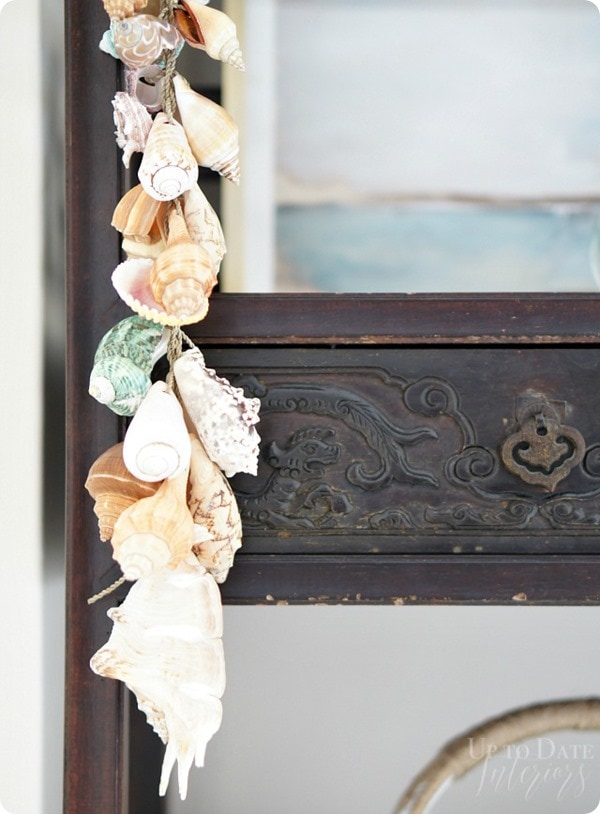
[[210, 29], [140, 40], [168, 167], [223, 417]]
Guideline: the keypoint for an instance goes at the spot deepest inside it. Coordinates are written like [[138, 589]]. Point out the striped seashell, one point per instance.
[[168, 166], [209, 29], [119, 9], [141, 219], [140, 40]]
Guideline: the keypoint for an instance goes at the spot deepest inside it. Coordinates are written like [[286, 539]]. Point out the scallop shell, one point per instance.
[[124, 359], [207, 28], [133, 123], [166, 646], [140, 40], [204, 226], [212, 133], [157, 444], [182, 277], [223, 417], [168, 167], [145, 84], [218, 526], [142, 221], [114, 489], [119, 9], [154, 532]]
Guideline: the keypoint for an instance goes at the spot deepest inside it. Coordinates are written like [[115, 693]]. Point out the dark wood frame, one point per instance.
[[98, 735]]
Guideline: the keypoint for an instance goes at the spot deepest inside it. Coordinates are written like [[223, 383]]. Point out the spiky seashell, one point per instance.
[[145, 84], [168, 167], [154, 532], [157, 444], [119, 9], [124, 359], [218, 526], [142, 221], [133, 123], [131, 280], [114, 489], [204, 226], [166, 646], [141, 39], [210, 29], [223, 417], [182, 276], [211, 132]]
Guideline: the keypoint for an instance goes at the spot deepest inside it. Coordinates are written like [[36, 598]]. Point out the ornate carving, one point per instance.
[[517, 514]]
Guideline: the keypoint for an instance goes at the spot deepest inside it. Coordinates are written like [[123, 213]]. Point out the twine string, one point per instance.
[[170, 60], [101, 594]]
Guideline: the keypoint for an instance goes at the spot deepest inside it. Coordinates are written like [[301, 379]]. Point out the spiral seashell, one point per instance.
[[145, 84], [119, 9], [114, 489], [142, 221], [217, 522], [140, 40], [157, 444], [133, 123], [204, 226], [211, 30], [211, 132], [168, 167], [182, 277], [123, 362], [223, 417], [166, 646], [131, 280], [154, 532]]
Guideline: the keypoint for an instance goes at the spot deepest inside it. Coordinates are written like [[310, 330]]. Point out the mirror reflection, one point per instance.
[[444, 145]]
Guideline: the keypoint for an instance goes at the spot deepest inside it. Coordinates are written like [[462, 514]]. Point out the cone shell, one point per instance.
[[119, 9], [141, 39], [166, 646], [133, 123], [154, 532], [124, 359], [141, 220], [157, 444], [114, 489], [211, 132], [168, 167], [218, 526], [210, 29], [204, 226], [223, 417]]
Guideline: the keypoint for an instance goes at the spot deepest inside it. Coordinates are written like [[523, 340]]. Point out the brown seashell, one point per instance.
[[141, 39], [114, 489], [142, 221], [211, 30], [119, 9], [211, 132], [182, 277], [133, 123], [154, 532], [168, 167]]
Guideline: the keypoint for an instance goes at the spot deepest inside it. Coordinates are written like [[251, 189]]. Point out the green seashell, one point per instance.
[[123, 363]]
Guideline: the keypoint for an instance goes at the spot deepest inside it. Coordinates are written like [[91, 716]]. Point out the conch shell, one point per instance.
[[154, 532], [124, 359], [223, 417], [218, 526], [157, 444], [168, 167], [207, 28], [166, 646], [119, 9], [141, 39], [133, 123], [182, 277], [142, 221], [203, 225], [212, 133], [114, 489]]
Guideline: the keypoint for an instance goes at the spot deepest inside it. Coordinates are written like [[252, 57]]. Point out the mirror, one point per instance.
[[396, 146]]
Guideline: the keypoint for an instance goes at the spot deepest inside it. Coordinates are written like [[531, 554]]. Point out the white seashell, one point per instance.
[[211, 30], [211, 132], [168, 167], [223, 417], [157, 444], [133, 123], [204, 226], [140, 40], [165, 646], [146, 85], [218, 526]]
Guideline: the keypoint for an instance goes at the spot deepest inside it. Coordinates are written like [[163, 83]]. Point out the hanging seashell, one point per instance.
[[123, 362], [119, 9], [223, 417], [166, 646], [141, 220], [114, 489], [168, 167], [211, 132], [145, 84], [182, 277], [131, 280], [154, 532], [218, 526], [133, 123], [140, 40], [210, 29], [157, 444], [203, 225]]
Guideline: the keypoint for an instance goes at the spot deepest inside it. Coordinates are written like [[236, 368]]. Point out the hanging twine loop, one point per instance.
[[109, 590], [170, 60]]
